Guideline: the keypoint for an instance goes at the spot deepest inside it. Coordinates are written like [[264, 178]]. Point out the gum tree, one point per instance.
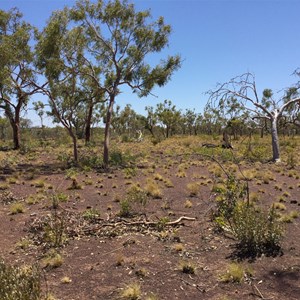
[[265, 107], [60, 52], [17, 70], [120, 40], [168, 117]]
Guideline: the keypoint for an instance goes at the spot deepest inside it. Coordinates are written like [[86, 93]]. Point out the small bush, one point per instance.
[[193, 189], [54, 230], [235, 273], [91, 214], [153, 190], [256, 231], [17, 208], [131, 292], [187, 267], [52, 259], [18, 283], [75, 185], [135, 199]]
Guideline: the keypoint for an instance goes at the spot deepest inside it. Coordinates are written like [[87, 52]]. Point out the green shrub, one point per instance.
[[54, 230], [135, 199], [91, 214], [256, 231], [20, 283], [235, 273]]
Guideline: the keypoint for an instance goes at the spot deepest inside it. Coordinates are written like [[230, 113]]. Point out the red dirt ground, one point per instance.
[[104, 256]]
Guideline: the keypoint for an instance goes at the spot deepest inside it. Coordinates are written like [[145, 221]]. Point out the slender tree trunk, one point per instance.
[[14, 119], [151, 131], [75, 148], [262, 132], [88, 125], [107, 132], [275, 140]]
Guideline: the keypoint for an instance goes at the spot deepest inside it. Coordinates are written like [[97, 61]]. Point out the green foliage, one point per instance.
[[57, 198], [20, 283], [17, 68], [256, 231], [55, 230], [125, 208], [91, 214], [228, 196], [52, 259], [235, 273], [135, 199], [17, 208], [121, 159], [162, 223], [129, 172]]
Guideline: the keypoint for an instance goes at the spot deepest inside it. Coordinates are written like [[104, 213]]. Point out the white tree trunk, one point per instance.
[[275, 140]]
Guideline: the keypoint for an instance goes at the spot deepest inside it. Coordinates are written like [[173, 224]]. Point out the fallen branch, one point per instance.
[[181, 219], [171, 223], [135, 223]]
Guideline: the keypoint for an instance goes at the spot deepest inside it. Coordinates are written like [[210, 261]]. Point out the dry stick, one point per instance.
[[197, 286], [124, 222], [260, 294], [172, 223]]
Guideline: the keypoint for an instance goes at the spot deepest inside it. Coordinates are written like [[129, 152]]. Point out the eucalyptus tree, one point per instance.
[[243, 88], [60, 51], [190, 119], [17, 70], [119, 41], [168, 117], [151, 119], [39, 108]]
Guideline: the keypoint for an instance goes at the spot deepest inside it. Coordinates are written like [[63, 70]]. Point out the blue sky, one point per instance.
[[217, 39]]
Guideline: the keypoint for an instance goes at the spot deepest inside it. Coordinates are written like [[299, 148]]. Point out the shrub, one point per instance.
[[18, 283], [54, 230], [187, 267], [135, 199], [235, 273], [52, 259], [91, 214], [131, 292], [256, 231], [17, 208], [193, 189], [153, 190], [56, 198]]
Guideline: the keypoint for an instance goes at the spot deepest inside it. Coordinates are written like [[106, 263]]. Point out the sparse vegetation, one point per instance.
[[17, 208], [114, 223], [20, 283], [235, 273], [188, 267], [131, 291], [52, 259]]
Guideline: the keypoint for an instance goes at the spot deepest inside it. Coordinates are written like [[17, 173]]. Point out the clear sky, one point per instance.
[[217, 39]]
